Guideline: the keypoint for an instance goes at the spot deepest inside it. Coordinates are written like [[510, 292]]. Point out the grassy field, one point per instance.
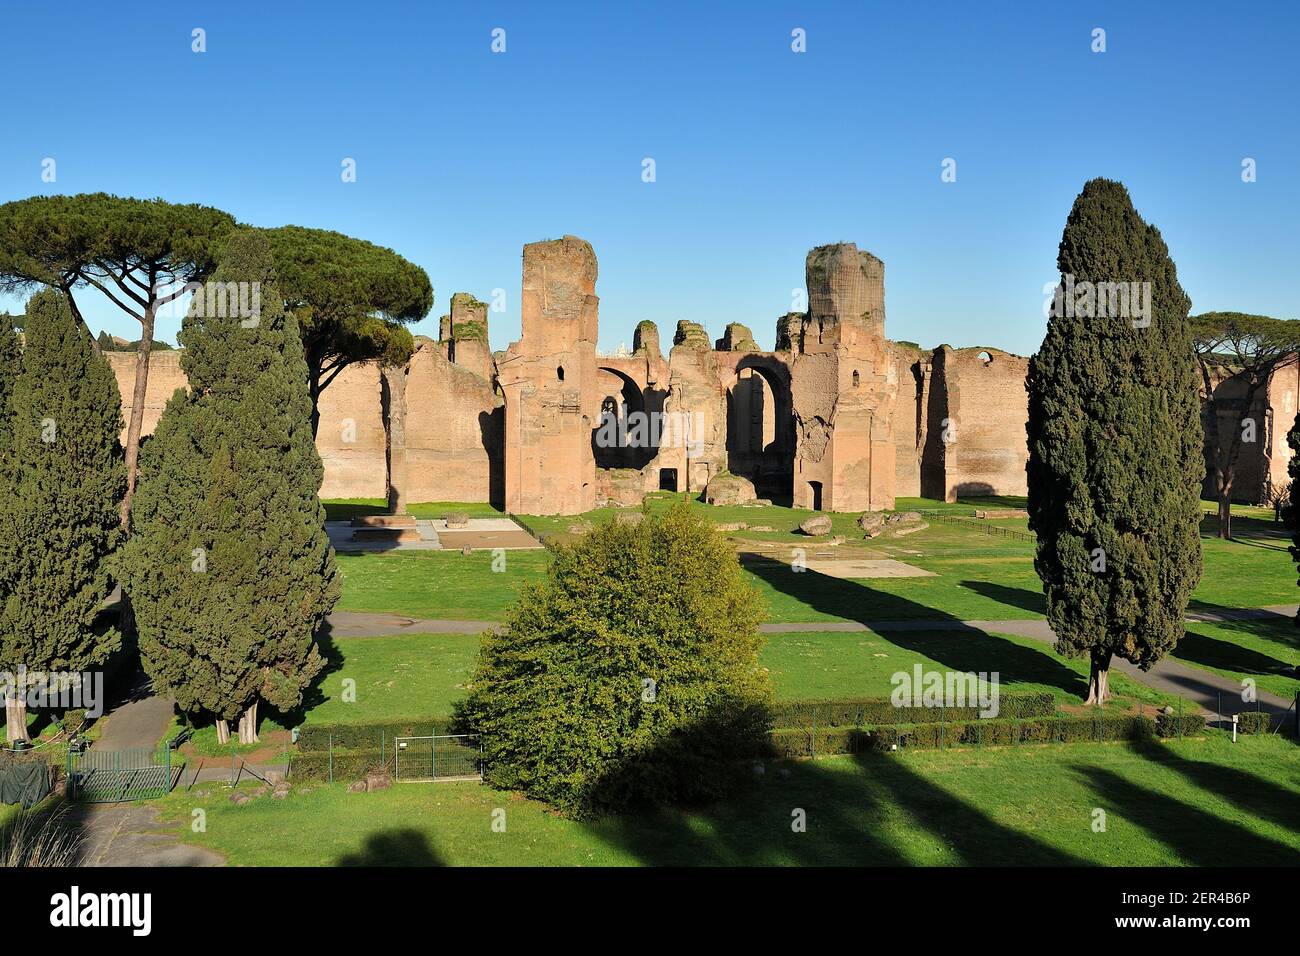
[[436, 584], [977, 576], [1201, 802], [860, 664]]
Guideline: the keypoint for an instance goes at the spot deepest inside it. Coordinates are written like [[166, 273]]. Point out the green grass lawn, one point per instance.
[[1196, 802], [978, 576], [436, 584], [860, 664], [423, 675]]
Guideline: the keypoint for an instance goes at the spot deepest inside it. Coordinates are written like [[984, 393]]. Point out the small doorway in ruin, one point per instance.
[[816, 488], [667, 479]]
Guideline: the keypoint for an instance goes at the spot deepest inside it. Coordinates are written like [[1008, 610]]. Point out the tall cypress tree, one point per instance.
[[1115, 443], [62, 477], [229, 564]]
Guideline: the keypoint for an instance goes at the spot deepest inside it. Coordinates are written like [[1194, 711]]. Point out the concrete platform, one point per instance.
[[422, 534]]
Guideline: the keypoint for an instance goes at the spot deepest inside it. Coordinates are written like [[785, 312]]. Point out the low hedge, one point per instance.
[[999, 732], [1254, 722], [875, 711], [347, 765], [376, 736]]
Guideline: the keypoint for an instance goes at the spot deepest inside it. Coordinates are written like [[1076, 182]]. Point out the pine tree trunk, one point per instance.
[[394, 394], [136, 425], [1225, 516], [1099, 677], [223, 731], [248, 725], [15, 720]]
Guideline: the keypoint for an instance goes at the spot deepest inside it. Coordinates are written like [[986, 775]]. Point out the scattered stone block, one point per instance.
[[871, 521], [729, 489], [457, 519], [816, 525]]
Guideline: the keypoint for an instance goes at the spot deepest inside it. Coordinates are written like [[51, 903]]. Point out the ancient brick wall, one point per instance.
[[165, 377], [454, 431], [978, 406]]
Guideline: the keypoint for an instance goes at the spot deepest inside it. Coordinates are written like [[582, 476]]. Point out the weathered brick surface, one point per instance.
[[837, 417]]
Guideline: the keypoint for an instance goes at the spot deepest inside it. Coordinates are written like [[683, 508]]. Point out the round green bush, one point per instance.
[[629, 675]]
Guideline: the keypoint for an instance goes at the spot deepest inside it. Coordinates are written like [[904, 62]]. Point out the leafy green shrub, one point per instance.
[[1254, 722], [1176, 725], [74, 721], [630, 674]]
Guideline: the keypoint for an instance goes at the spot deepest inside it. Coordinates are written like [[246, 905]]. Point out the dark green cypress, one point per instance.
[[229, 564], [1115, 447], [62, 477]]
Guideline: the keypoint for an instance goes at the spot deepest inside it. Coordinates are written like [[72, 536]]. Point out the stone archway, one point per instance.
[[760, 426], [628, 432]]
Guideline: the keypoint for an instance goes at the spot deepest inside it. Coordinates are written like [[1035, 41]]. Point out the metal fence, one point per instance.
[[981, 524], [444, 757], [114, 776]]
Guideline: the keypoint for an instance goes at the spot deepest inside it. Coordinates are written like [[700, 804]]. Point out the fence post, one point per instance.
[[331, 759], [812, 744]]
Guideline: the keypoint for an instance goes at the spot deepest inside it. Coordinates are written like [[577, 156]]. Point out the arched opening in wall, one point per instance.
[[630, 429], [559, 372], [760, 427], [667, 479], [986, 358], [815, 492], [857, 379]]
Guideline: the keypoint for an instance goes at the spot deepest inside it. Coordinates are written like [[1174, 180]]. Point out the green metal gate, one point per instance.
[[113, 776], [444, 757]]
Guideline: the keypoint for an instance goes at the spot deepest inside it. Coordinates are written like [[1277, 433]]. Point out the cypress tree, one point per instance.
[[62, 477], [1115, 443], [229, 564], [1291, 514]]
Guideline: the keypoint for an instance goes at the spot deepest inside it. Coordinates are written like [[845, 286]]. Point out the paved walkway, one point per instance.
[[127, 834], [384, 624], [139, 720]]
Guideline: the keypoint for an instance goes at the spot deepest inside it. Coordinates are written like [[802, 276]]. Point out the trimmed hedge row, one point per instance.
[[875, 711], [1254, 722], [851, 740], [320, 737], [347, 765]]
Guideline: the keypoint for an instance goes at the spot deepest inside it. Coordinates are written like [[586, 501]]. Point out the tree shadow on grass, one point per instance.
[[858, 812], [936, 634], [1210, 651], [1199, 838], [1026, 600], [1254, 794], [400, 847]]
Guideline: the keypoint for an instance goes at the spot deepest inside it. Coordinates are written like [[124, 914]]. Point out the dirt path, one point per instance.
[[129, 834]]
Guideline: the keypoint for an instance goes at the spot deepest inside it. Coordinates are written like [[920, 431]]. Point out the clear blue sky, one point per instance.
[[464, 155]]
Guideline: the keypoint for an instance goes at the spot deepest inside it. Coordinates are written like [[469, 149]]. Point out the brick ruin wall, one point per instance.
[[836, 417]]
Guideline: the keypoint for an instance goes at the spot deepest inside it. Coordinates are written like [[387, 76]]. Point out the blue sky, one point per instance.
[[464, 155]]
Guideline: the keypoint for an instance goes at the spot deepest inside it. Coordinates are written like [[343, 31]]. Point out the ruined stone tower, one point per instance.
[[844, 385], [548, 378]]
